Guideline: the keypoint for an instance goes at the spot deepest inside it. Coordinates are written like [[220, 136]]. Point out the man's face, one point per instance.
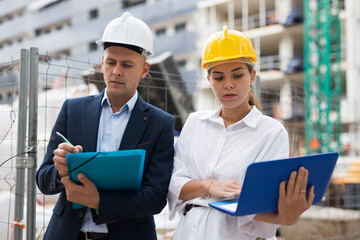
[[122, 68]]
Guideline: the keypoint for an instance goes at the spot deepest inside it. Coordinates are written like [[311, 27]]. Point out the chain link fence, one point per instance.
[[59, 78]]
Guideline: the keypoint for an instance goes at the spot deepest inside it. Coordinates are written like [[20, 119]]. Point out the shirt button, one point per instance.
[[80, 214], [111, 117]]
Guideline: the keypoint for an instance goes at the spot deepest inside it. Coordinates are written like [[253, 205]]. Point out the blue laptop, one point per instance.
[[260, 191]]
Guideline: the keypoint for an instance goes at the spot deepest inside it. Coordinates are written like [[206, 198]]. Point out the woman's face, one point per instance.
[[231, 83]]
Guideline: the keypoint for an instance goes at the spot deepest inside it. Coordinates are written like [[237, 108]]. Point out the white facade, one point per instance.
[[70, 27]]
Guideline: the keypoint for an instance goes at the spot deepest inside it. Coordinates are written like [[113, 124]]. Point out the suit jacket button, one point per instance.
[[51, 185], [80, 214]]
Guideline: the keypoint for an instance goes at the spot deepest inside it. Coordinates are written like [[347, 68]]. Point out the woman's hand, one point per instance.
[[229, 188], [201, 188], [292, 200]]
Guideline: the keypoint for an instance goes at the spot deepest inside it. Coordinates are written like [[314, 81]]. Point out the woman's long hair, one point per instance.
[[253, 100]]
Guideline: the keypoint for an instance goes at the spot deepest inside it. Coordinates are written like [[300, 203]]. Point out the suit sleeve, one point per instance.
[[46, 176], [151, 199]]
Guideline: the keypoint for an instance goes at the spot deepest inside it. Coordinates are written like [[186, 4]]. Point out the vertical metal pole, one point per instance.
[[213, 22], [231, 14], [21, 135], [257, 47], [262, 13], [32, 143], [245, 15], [352, 27]]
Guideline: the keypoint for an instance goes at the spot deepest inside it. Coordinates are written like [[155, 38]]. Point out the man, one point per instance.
[[116, 119]]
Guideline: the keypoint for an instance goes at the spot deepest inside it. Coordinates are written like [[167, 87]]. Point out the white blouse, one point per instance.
[[208, 150]]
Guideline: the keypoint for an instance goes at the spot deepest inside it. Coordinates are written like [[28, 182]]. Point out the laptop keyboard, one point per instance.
[[231, 207]]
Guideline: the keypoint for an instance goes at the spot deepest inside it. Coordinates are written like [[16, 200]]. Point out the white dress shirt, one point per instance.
[[111, 130], [208, 150]]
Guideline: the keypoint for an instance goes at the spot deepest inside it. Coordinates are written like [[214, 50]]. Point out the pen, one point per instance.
[[63, 138]]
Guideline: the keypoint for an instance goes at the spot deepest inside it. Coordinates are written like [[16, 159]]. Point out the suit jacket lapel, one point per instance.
[[138, 121], [91, 117]]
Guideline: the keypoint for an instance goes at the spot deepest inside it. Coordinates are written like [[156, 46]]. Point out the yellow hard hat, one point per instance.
[[225, 45]]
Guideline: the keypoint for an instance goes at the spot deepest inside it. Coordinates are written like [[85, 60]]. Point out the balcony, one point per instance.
[[162, 10], [37, 20], [9, 6]]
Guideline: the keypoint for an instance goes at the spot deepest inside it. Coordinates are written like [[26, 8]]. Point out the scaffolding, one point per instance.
[[323, 84]]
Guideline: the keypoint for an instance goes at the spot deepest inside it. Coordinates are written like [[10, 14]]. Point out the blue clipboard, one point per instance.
[[260, 191], [110, 171]]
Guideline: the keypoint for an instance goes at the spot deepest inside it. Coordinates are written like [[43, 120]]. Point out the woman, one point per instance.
[[216, 147]]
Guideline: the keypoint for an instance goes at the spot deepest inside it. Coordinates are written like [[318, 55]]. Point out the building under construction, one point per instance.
[[308, 72]]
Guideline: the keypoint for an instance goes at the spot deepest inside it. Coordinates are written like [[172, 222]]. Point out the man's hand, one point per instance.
[[86, 194], [60, 157]]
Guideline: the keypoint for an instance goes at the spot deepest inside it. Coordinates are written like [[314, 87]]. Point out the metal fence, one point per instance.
[[55, 78]]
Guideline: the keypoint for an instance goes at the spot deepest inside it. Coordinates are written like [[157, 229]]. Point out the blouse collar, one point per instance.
[[250, 120]]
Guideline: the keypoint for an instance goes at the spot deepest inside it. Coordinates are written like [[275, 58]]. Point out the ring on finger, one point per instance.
[[303, 191]]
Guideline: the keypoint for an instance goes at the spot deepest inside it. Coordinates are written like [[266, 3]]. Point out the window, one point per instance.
[[93, 14], [180, 27], [50, 4], [160, 32], [130, 3], [38, 32], [93, 46]]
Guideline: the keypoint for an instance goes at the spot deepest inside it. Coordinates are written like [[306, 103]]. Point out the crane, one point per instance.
[[323, 78]]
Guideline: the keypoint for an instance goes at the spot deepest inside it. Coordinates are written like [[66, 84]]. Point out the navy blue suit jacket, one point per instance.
[[129, 215]]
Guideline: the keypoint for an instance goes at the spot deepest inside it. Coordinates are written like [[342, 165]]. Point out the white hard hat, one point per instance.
[[129, 30]]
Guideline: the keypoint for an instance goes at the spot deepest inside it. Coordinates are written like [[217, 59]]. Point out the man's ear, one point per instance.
[[102, 61], [146, 69]]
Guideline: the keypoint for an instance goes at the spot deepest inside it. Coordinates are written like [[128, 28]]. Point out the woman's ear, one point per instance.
[[208, 75], [253, 74]]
